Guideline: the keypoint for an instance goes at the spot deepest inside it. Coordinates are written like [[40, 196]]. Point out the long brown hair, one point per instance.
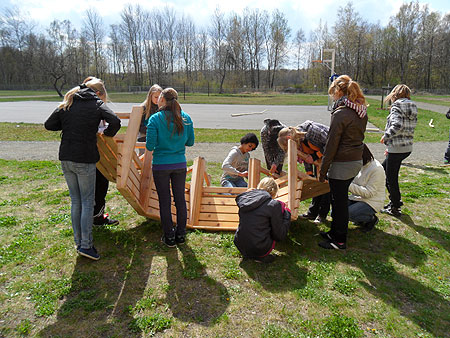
[[150, 107], [399, 91], [172, 105], [349, 88]]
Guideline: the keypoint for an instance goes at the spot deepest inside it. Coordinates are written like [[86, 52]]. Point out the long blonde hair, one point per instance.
[[348, 88], [398, 92], [93, 83], [292, 133], [268, 184], [150, 107]]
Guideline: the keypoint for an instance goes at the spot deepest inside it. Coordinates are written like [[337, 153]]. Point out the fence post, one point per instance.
[[184, 90]]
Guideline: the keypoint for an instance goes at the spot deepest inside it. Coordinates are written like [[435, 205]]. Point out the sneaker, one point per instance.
[[180, 239], [393, 211], [330, 244], [320, 219], [105, 220], [170, 242], [446, 161], [325, 235], [89, 253], [307, 216], [366, 227], [266, 259]]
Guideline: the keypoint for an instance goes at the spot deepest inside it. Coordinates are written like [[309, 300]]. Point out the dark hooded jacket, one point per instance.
[[79, 125], [261, 221]]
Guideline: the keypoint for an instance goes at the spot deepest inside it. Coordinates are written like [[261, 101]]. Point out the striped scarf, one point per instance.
[[360, 109]]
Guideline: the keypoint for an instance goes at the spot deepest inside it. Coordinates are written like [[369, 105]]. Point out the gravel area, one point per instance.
[[431, 153]]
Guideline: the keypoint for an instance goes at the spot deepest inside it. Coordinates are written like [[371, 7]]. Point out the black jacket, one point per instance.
[[261, 221], [79, 125]]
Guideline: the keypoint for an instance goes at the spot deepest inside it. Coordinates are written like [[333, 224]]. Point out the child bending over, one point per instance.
[[262, 221]]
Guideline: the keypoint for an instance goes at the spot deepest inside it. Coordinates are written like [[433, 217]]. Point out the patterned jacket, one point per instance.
[[400, 125]]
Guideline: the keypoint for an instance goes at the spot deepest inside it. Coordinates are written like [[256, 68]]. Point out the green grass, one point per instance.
[[391, 282], [442, 100]]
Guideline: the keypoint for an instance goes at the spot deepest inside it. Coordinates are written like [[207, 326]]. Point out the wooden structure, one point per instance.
[[209, 208]]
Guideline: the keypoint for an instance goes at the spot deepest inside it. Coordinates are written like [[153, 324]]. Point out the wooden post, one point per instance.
[[254, 172], [292, 177], [146, 180], [195, 195], [128, 146]]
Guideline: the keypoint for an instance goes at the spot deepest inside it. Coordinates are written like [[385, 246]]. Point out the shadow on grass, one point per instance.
[[438, 170], [103, 292], [372, 253], [192, 295], [434, 234], [105, 296]]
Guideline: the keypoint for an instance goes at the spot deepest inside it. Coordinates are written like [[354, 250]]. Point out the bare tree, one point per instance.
[[95, 34], [298, 43], [186, 44], [219, 47]]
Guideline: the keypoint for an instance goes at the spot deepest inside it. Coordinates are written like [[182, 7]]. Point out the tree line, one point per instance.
[[256, 50]]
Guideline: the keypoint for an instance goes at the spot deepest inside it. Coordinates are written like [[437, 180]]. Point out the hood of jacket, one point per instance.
[[85, 94], [407, 107], [252, 199]]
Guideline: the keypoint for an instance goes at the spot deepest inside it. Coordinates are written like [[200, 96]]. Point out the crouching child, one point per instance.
[[262, 221]]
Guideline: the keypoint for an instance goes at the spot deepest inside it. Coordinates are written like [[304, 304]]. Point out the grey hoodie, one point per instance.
[[400, 125]]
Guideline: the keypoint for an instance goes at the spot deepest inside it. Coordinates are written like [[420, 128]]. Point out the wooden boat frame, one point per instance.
[[208, 207]]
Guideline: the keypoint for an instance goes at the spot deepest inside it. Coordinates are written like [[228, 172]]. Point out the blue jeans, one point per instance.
[[234, 182], [360, 212], [163, 180], [80, 178]]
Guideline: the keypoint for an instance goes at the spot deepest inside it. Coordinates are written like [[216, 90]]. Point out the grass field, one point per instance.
[[391, 282]]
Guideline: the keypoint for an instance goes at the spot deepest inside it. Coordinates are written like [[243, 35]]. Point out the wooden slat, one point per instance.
[[215, 226], [292, 174], [215, 200], [146, 178], [312, 188], [224, 209], [124, 116], [204, 216], [224, 190], [196, 188], [254, 170]]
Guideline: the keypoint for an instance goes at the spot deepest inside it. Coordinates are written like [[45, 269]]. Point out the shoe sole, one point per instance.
[[88, 256], [168, 245], [325, 236]]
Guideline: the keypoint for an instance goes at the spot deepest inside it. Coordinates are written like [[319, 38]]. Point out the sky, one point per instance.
[[301, 14]]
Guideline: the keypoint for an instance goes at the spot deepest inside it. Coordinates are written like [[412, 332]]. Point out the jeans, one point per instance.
[[360, 212], [163, 179], [80, 178], [101, 189], [235, 182], [339, 208], [391, 167]]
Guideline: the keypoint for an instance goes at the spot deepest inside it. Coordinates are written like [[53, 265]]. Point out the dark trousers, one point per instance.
[[339, 208], [101, 189], [391, 167], [163, 180], [320, 205], [447, 152]]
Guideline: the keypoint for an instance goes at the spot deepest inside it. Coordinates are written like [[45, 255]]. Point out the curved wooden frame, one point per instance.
[[209, 208]]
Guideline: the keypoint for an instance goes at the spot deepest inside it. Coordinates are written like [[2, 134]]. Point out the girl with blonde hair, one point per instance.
[[262, 221], [342, 159], [150, 107], [79, 116], [398, 138]]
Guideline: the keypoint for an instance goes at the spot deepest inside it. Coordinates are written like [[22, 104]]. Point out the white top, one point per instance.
[[369, 185]]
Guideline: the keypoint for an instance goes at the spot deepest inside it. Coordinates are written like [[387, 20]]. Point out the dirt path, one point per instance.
[[431, 153]]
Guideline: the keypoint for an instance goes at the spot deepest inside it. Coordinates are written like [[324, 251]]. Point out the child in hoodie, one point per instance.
[[398, 138], [262, 221]]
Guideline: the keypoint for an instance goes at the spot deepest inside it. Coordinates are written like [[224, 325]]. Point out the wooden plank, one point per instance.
[[127, 149], [196, 191], [312, 188], [146, 178], [224, 190], [254, 172], [124, 116], [205, 216], [292, 174], [215, 226], [215, 200], [223, 209]]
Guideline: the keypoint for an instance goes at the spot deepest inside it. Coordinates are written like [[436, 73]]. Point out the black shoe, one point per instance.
[[325, 235], [266, 259], [104, 220], [333, 245], [89, 253], [170, 242], [180, 239], [393, 211], [320, 219], [366, 227], [307, 216]]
